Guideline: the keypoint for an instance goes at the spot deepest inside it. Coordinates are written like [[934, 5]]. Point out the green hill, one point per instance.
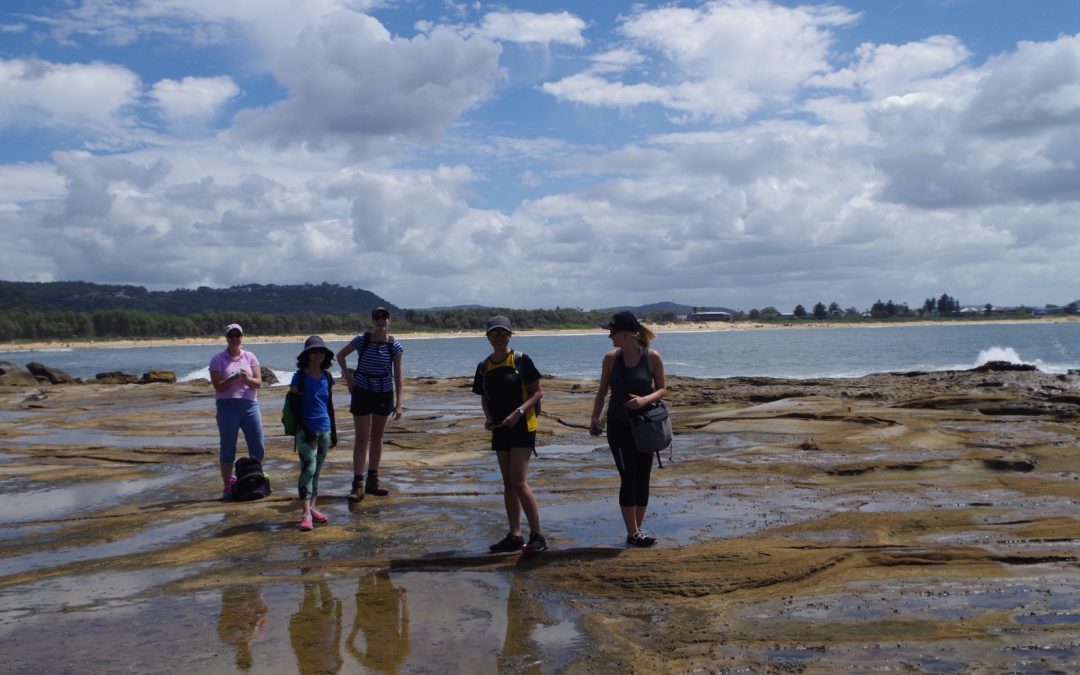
[[269, 299]]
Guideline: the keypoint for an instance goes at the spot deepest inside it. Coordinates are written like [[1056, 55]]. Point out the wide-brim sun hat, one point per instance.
[[623, 321], [315, 343], [499, 322]]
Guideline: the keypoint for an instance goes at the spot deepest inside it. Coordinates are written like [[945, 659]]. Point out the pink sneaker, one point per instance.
[[305, 524], [319, 516]]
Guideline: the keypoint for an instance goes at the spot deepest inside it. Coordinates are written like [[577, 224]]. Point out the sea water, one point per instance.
[[773, 352]]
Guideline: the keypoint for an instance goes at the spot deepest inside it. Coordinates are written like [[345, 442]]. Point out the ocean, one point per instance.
[[771, 352]]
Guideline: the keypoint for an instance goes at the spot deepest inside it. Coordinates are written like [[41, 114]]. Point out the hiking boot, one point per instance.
[[640, 539], [371, 487], [319, 516], [537, 544], [357, 492], [508, 544], [305, 524]]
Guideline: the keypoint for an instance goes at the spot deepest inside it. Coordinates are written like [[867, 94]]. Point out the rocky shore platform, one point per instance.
[[900, 522]]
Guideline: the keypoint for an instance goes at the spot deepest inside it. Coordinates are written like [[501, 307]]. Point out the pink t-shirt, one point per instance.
[[225, 364]]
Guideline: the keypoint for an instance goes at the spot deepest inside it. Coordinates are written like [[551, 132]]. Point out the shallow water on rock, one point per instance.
[[96, 437], [378, 622], [47, 503], [152, 538]]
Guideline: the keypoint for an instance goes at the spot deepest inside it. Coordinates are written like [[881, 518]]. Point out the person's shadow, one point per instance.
[[315, 630], [382, 616], [243, 621], [520, 652]]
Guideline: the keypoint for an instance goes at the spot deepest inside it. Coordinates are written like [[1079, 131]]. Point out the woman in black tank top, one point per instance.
[[635, 375]]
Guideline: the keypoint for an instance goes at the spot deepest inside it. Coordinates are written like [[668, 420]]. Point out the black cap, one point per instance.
[[380, 311], [623, 321], [315, 343], [499, 322]]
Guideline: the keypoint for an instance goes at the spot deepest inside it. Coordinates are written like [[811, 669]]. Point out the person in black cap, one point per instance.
[[509, 386], [317, 429], [376, 387], [635, 374]]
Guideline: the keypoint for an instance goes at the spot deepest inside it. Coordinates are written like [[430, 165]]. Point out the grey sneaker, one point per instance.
[[640, 539], [508, 544], [537, 544]]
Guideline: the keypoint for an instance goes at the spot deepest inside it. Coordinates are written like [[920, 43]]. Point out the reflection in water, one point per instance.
[[244, 617], [315, 630], [382, 615], [520, 653]]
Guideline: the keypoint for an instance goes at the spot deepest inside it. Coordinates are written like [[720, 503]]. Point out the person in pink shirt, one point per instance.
[[234, 374]]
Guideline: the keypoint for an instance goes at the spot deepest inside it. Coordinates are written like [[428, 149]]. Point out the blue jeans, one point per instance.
[[234, 414], [311, 461]]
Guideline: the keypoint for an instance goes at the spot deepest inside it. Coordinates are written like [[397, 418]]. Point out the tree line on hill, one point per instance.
[[945, 307], [26, 325], [57, 311]]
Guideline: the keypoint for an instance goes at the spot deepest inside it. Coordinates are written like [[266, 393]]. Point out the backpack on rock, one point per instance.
[[251, 481]]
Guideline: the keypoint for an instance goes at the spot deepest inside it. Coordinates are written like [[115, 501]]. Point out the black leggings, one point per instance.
[[634, 467]]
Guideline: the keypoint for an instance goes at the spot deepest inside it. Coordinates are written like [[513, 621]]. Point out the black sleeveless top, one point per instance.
[[639, 382]]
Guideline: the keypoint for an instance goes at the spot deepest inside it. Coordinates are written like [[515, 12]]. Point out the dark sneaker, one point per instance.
[[357, 492], [508, 544], [640, 539], [372, 487], [537, 544]]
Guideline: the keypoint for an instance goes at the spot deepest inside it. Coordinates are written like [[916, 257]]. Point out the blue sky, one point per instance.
[[738, 153]]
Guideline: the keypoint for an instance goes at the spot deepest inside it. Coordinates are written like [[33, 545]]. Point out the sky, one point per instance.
[[591, 153]]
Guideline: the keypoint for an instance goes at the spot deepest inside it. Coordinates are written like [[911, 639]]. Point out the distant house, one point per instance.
[[1049, 310], [708, 316]]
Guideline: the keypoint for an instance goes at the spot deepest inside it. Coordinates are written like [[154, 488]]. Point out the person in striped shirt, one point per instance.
[[375, 385]]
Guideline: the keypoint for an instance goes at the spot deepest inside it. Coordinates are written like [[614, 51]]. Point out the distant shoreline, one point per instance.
[[687, 327]]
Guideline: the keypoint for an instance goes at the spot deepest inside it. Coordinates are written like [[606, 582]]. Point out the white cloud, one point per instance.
[[722, 60], [193, 100], [45, 94], [1037, 87], [351, 81], [615, 60], [593, 90], [558, 28], [266, 24], [885, 70], [1003, 133]]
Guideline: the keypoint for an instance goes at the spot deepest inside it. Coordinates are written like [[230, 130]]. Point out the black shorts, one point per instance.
[[366, 402], [503, 439]]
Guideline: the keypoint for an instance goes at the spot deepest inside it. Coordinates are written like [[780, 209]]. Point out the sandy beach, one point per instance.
[[255, 339], [918, 522]]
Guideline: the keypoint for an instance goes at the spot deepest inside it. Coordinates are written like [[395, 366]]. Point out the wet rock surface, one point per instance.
[[924, 520]]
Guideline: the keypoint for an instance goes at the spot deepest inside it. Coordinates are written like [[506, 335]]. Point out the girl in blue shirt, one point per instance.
[[317, 429]]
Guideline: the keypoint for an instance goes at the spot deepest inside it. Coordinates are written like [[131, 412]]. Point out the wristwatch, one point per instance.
[[521, 411]]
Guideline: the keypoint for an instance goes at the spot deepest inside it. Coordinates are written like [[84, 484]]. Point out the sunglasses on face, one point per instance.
[[235, 335], [499, 333]]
